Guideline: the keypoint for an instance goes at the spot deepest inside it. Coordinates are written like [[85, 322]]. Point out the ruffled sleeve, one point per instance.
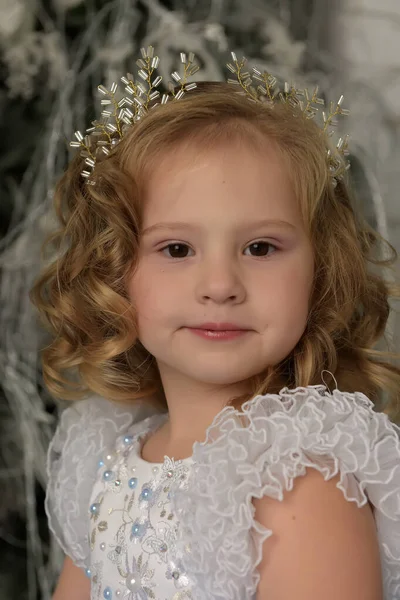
[[260, 451], [86, 429]]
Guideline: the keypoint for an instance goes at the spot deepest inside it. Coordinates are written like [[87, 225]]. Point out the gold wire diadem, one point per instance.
[[141, 93]]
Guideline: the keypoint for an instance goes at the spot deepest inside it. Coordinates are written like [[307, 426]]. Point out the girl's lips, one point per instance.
[[218, 335], [221, 326]]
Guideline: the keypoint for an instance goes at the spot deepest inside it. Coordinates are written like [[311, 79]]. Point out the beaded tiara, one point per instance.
[[142, 95]]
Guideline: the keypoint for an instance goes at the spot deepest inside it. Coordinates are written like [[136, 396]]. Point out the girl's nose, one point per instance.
[[220, 281]]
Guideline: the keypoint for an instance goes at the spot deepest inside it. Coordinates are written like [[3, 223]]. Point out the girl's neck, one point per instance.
[[156, 446]]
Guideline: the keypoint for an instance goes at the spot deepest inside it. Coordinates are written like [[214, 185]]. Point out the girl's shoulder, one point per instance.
[[86, 430], [259, 451]]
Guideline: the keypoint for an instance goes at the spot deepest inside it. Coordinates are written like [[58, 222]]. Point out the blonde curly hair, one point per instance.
[[82, 294]]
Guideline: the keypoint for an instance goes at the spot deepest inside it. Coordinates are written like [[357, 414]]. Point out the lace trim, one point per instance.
[[260, 451]]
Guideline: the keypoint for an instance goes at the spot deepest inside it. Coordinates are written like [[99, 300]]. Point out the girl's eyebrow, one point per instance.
[[244, 226]]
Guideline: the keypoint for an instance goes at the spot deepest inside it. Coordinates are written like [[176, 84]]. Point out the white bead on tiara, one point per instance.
[[121, 114]]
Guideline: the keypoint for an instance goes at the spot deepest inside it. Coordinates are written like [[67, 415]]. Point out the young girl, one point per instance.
[[211, 267]]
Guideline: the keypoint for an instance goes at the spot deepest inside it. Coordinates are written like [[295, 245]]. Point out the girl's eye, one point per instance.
[[261, 248], [178, 250]]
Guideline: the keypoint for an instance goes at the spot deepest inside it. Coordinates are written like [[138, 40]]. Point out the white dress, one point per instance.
[[186, 529]]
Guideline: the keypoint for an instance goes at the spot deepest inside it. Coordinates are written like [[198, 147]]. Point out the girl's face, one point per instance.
[[222, 241]]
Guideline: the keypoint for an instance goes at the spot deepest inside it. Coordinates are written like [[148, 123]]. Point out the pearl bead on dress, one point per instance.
[[109, 458], [94, 509], [108, 475], [132, 582]]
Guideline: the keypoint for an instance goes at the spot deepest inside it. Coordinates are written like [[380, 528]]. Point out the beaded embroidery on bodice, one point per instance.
[[132, 528]]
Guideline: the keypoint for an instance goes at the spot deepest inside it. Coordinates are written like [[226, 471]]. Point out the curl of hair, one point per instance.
[[82, 294]]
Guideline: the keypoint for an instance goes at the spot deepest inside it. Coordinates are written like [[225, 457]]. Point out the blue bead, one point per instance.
[[132, 482], [137, 530], [88, 573], [101, 464], [94, 508], [128, 439], [146, 494], [108, 475], [107, 593]]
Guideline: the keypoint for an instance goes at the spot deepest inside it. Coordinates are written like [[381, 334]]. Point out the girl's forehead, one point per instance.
[[226, 182], [192, 158]]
